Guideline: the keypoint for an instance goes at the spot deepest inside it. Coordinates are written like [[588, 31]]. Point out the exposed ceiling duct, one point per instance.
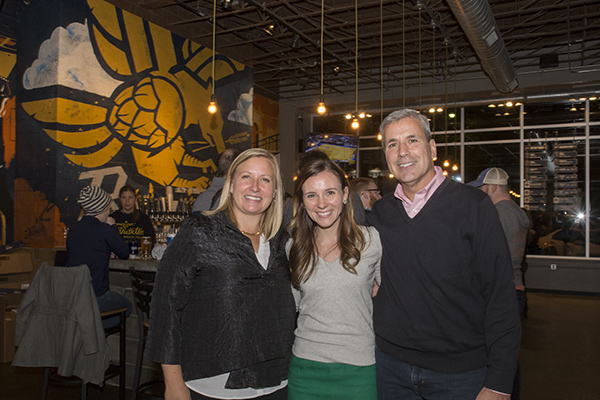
[[479, 25]]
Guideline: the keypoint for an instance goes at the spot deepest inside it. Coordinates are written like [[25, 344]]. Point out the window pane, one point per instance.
[[443, 121], [505, 156], [554, 113], [554, 195], [370, 142], [512, 134], [595, 198], [373, 165], [448, 158], [483, 116], [595, 110], [330, 124], [553, 133]]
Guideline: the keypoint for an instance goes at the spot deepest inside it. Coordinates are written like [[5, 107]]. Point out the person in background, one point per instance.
[[515, 223], [209, 199], [308, 157], [222, 316], [446, 316], [334, 264], [514, 220], [367, 190], [90, 241], [131, 222]]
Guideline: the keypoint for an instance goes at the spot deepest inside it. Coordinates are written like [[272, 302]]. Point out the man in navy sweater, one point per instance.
[[445, 317]]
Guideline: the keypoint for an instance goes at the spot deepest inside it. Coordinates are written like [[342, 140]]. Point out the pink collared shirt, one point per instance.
[[422, 196]]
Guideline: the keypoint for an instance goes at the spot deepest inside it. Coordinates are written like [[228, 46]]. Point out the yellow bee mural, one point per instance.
[[127, 85]]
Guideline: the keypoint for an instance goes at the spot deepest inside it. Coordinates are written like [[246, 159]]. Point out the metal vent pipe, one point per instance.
[[479, 25]]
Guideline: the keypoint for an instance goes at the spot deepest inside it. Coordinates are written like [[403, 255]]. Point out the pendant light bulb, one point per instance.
[[446, 163], [321, 109], [355, 123], [212, 106], [455, 167]]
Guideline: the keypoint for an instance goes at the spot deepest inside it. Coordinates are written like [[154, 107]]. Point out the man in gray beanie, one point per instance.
[[90, 241]]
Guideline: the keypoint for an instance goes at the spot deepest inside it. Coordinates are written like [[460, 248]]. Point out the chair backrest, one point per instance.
[[58, 324], [142, 283]]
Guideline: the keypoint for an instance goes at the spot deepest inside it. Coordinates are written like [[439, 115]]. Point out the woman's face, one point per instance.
[[252, 187], [127, 201], [323, 198]]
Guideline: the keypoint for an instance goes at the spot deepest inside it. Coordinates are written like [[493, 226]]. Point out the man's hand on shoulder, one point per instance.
[[487, 394]]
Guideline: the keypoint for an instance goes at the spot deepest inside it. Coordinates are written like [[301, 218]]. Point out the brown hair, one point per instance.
[[303, 253], [129, 188]]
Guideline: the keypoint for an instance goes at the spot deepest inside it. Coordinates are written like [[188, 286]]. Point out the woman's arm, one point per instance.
[[175, 388]]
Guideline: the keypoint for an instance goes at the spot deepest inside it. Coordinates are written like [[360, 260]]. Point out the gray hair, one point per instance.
[[399, 115]]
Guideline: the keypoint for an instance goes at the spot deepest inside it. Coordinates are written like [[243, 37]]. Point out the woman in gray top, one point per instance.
[[334, 263]]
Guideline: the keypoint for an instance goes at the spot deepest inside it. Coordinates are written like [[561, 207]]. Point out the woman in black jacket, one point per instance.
[[222, 314]]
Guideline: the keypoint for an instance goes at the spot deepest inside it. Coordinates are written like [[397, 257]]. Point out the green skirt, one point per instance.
[[310, 380]]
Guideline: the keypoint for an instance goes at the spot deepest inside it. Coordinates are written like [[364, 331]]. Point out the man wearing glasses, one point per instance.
[[367, 191]]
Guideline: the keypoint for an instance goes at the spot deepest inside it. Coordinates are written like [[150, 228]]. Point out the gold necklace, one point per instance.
[[250, 233]]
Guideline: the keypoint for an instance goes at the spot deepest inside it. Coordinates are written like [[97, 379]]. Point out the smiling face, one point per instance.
[[253, 187], [127, 200], [409, 155], [323, 198]]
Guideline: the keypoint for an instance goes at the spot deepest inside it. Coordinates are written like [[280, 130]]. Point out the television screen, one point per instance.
[[339, 148]]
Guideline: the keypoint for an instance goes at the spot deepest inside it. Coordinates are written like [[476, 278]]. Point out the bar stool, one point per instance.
[[110, 373], [142, 283]]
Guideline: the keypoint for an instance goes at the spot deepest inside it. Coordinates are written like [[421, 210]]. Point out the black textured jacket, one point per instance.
[[215, 309]]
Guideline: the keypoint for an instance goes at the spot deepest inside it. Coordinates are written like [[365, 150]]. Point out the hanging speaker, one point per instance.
[[549, 60]]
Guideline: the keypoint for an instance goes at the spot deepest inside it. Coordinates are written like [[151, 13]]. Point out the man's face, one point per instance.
[[370, 195], [409, 154]]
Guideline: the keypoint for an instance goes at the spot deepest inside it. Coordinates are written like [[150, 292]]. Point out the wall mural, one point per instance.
[[110, 98], [8, 61], [265, 123]]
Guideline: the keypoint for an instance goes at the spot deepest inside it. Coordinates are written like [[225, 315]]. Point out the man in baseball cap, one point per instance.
[[90, 241], [490, 176], [515, 223]]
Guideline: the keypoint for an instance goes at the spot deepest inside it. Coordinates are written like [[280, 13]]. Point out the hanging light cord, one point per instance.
[[433, 40], [455, 108], [322, 28], [356, 52], [403, 60], [381, 53], [420, 104], [214, 44], [446, 89]]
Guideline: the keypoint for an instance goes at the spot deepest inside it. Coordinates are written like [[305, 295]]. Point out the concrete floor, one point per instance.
[[560, 356]]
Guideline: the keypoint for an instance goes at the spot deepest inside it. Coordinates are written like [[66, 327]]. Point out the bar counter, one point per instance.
[[137, 264]]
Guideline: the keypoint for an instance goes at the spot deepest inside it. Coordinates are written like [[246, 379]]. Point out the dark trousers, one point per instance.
[[400, 381]]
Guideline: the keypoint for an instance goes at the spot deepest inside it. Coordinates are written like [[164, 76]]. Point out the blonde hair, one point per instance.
[[270, 221]]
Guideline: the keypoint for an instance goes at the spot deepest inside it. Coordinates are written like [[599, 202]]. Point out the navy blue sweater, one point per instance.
[[90, 242], [447, 299]]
